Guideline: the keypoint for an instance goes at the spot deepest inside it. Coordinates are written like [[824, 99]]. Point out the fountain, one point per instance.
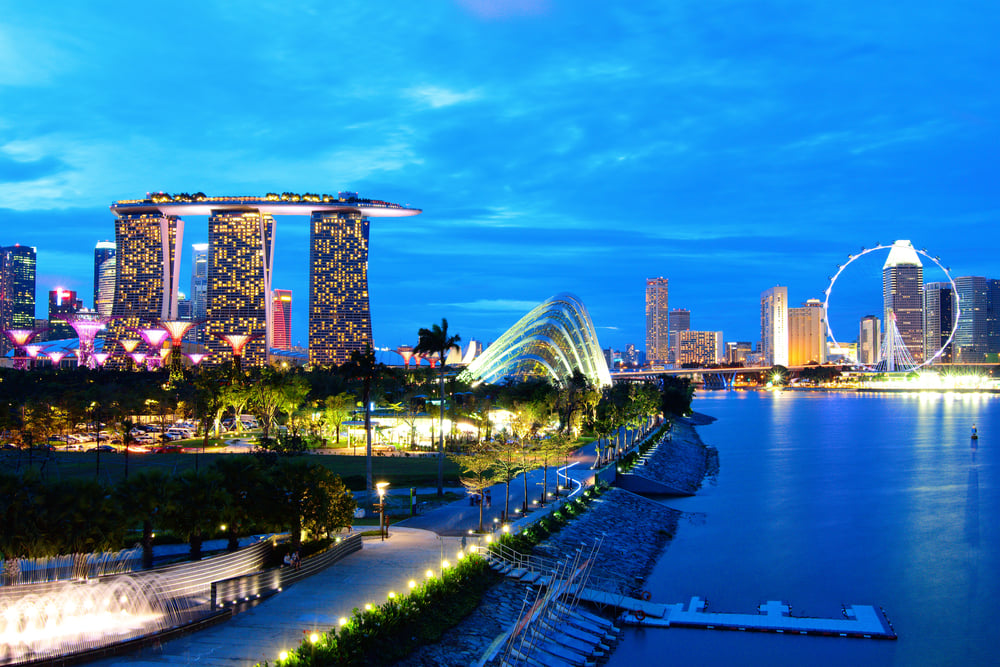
[[70, 617]]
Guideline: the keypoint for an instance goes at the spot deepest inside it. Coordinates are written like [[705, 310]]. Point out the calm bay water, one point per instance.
[[825, 499]]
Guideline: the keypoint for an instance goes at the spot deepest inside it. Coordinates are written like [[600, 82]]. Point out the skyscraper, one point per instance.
[[970, 342], [902, 297], [700, 347], [148, 247], [992, 316], [62, 305], [680, 320], [657, 321], [774, 326], [938, 320], [199, 288], [807, 334], [240, 260], [104, 276], [869, 340], [17, 290], [281, 333], [339, 313]]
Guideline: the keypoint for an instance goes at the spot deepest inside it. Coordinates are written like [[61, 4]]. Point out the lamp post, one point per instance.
[[383, 528]]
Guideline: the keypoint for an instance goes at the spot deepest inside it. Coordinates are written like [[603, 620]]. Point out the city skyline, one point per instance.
[[785, 145]]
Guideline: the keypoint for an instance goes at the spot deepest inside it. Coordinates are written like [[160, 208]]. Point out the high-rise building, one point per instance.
[[17, 290], [902, 297], [869, 340], [185, 309], [281, 334], [774, 326], [992, 317], [199, 289], [62, 305], [339, 312], [104, 291], [631, 356], [240, 260], [738, 352], [700, 347], [938, 320], [657, 321], [807, 334], [970, 342], [148, 247], [680, 320]]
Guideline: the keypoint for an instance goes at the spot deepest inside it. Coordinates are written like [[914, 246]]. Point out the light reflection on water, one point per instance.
[[824, 499]]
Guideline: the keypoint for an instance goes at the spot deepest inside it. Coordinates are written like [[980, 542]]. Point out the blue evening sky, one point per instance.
[[553, 145]]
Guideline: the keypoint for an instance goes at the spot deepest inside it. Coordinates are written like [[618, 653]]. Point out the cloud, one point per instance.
[[493, 305], [437, 97]]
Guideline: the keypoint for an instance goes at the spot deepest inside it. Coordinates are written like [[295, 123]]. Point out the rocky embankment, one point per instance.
[[682, 460]]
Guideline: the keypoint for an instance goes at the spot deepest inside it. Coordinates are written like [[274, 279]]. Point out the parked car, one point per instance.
[[168, 449], [102, 448]]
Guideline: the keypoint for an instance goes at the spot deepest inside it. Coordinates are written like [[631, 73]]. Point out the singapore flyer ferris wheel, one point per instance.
[[894, 355]]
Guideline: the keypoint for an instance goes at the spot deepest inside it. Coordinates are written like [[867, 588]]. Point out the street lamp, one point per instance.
[[383, 528]]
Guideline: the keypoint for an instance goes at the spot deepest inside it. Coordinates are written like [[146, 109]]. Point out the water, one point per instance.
[[829, 499]]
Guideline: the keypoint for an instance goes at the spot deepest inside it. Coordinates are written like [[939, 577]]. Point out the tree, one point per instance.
[[309, 496], [506, 463], [144, 499], [363, 367], [338, 409], [242, 480], [477, 464], [195, 506], [437, 340]]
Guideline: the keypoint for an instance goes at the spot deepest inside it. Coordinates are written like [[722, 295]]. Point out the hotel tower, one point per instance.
[[902, 297]]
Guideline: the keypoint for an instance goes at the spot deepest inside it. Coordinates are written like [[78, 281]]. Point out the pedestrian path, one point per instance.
[[316, 604]]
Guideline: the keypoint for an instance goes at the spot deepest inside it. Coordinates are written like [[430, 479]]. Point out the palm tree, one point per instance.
[[362, 366], [436, 339]]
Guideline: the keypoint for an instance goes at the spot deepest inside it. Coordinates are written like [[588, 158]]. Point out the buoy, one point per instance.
[[644, 595], [639, 614]]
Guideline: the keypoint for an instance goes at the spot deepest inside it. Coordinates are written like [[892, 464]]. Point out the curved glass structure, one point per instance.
[[552, 340]]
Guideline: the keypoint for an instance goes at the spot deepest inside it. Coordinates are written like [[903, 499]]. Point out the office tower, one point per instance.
[[17, 291], [970, 342], [939, 319], [62, 305], [281, 334], [738, 352], [657, 321], [104, 291], [807, 334], [774, 326], [902, 297], [185, 309], [700, 347], [339, 315], [148, 247], [992, 316], [631, 355], [869, 340], [240, 259], [680, 320], [199, 288]]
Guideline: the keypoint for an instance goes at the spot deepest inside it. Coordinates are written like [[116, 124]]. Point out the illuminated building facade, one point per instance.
[[902, 294], [281, 331], [807, 334], [657, 321], [104, 277], [552, 340], [700, 347], [17, 290], [680, 320], [993, 317], [970, 342], [63, 304], [241, 257], [199, 288], [738, 352], [339, 314], [939, 318], [869, 340], [148, 249], [774, 326]]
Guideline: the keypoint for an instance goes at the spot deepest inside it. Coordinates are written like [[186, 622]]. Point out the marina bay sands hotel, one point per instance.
[[149, 235]]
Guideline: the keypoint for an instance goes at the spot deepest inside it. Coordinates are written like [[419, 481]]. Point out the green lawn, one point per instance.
[[399, 471]]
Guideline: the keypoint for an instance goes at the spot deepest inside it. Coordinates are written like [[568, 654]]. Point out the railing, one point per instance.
[[545, 566], [257, 585]]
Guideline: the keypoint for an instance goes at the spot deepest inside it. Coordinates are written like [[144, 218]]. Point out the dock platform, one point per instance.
[[862, 621]]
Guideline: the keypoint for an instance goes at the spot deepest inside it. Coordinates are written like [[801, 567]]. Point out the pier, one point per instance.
[[861, 621]]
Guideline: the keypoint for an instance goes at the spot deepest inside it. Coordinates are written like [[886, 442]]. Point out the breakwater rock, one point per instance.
[[681, 460], [634, 531]]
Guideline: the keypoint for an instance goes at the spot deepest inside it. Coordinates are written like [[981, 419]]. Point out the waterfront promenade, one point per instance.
[[316, 604]]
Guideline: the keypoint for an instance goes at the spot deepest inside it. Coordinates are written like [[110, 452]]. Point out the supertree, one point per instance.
[[154, 338], [177, 329], [237, 342], [20, 338], [87, 327]]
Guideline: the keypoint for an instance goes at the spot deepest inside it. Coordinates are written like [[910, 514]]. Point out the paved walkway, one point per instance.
[[281, 622]]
